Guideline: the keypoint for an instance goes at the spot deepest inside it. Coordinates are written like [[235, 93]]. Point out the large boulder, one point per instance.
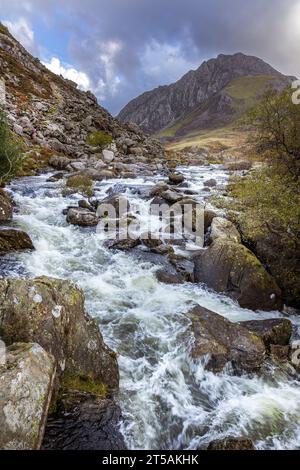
[[84, 422], [223, 228], [6, 209], [51, 313], [82, 217], [26, 381], [223, 341], [274, 331], [14, 240], [232, 269]]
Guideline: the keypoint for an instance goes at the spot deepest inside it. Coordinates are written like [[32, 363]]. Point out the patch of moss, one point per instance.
[[83, 384], [99, 139], [81, 183]]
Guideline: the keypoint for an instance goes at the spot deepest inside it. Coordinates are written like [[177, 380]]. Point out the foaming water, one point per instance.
[[168, 400]]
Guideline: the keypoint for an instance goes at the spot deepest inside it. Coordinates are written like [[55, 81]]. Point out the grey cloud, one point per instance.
[[194, 29]]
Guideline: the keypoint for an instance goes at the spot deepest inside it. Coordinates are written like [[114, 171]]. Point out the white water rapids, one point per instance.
[[168, 400]]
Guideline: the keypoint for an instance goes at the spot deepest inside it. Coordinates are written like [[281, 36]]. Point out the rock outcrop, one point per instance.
[[230, 268], [51, 312], [26, 381], [221, 341]]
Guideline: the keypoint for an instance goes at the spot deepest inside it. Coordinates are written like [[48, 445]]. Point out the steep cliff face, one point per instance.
[[49, 112], [210, 96]]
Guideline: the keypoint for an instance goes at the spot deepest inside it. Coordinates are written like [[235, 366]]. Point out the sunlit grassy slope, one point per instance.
[[217, 140], [244, 92]]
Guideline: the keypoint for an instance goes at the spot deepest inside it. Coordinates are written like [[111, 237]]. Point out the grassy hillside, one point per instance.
[[216, 141], [242, 93]]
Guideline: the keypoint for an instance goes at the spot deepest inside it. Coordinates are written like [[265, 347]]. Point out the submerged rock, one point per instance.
[[84, 422], [232, 269], [51, 313], [12, 239], [26, 381], [232, 443], [222, 342], [6, 208]]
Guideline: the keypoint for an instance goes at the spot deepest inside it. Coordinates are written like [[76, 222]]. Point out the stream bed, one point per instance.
[[168, 400]]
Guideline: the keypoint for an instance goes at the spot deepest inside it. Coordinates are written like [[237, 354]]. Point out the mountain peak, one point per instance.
[[213, 94]]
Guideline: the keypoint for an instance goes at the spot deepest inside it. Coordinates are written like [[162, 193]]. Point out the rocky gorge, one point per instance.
[[92, 329]]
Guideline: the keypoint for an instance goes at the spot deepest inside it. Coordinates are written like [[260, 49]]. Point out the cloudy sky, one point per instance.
[[121, 48]]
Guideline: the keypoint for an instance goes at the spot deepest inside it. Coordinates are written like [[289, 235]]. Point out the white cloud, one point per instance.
[[110, 81], [69, 72], [21, 30]]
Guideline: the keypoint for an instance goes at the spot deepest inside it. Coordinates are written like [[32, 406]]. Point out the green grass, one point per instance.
[[248, 88], [243, 90]]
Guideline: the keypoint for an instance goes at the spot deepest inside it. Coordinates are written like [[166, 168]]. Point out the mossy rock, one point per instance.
[[232, 269], [80, 183]]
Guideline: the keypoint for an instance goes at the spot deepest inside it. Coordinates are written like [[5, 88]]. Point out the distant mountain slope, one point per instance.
[[209, 97], [50, 112]]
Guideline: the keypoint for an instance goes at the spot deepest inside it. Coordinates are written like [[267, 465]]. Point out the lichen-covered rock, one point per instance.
[[276, 331], [84, 422], [51, 313], [6, 209], [82, 217], [232, 269], [232, 443], [222, 342], [26, 381], [14, 240], [223, 228]]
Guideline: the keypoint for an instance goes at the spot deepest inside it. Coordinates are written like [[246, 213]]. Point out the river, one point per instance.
[[168, 400]]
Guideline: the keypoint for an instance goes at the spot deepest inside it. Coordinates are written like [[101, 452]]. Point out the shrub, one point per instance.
[[10, 151], [276, 122], [99, 139], [81, 183]]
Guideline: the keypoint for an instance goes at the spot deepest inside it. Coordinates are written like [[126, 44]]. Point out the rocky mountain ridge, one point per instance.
[[201, 99]]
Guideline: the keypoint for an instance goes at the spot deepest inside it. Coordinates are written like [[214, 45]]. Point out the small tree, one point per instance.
[[276, 122], [10, 151]]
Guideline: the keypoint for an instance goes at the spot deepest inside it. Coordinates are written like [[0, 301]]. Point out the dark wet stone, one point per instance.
[[84, 422]]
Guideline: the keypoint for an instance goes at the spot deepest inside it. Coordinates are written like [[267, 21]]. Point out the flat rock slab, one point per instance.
[[84, 422], [26, 380]]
